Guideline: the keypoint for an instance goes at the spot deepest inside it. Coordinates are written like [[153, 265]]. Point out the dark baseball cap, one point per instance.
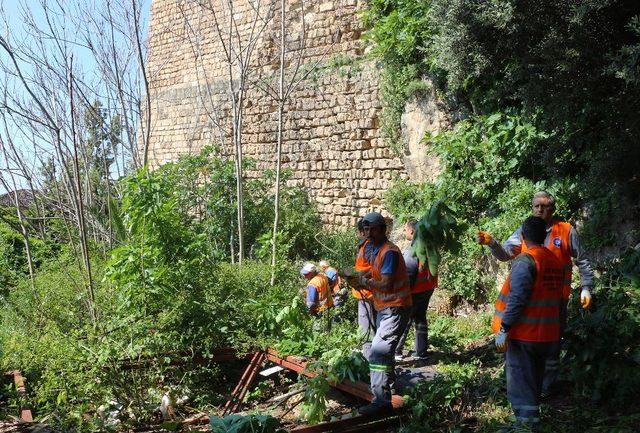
[[373, 219]]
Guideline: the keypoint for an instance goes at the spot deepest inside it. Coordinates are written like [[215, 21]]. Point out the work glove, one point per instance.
[[483, 238], [501, 340], [585, 298]]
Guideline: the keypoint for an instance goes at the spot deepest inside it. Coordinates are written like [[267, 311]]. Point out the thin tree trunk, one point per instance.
[[147, 125], [236, 127], [276, 210], [80, 207]]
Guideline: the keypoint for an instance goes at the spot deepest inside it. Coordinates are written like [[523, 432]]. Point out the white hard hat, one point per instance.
[[308, 268], [323, 264]]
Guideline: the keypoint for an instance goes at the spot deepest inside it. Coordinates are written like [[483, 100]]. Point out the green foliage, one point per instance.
[[397, 85], [399, 29], [400, 33], [334, 366], [433, 402], [454, 333], [408, 200], [45, 333], [480, 157], [167, 293], [338, 248], [13, 254], [603, 344], [245, 424], [436, 231], [627, 61]]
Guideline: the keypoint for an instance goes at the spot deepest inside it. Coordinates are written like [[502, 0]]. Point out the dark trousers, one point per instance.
[[391, 322], [552, 364], [525, 369], [419, 318], [367, 318]]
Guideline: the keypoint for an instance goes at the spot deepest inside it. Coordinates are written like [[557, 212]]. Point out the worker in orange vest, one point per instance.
[[366, 312], [422, 284], [388, 281], [338, 293], [561, 239], [318, 294], [527, 321]]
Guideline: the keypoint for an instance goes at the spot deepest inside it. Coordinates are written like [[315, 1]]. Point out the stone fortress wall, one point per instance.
[[332, 141]]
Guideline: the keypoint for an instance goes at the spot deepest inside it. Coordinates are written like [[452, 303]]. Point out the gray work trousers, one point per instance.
[[419, 318], [552, 365], [366, 318], [525, 368], [391, 322]]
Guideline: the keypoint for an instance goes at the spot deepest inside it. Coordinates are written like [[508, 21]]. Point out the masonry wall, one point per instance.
[[332, 143]]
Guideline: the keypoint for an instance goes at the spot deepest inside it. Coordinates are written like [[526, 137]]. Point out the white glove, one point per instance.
[[585, 298], [501, 340]]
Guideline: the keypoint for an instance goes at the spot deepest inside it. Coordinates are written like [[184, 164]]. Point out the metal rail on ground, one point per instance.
[[21, 391]]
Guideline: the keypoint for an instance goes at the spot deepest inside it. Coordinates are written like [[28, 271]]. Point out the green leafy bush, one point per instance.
[[432, 403], [165, 296], [245, 424], [603, 344], [437, 230]]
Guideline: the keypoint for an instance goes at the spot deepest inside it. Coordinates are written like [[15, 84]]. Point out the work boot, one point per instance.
[[375, 408], [418, 357]]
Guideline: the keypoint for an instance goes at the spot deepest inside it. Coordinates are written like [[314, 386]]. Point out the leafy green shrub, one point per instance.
[[400, 33], [453, 333], [480, 157], [339, 248], [603, 344], [165, 295], [13, 254], [334, 366], [245, 424], [47, 333], [431, 403], [406, 200]]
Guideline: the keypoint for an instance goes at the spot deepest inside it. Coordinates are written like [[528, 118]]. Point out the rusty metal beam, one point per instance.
[[358, 389], [245, 382], [21, 391]]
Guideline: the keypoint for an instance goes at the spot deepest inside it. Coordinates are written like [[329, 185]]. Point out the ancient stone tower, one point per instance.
[[332, 141]]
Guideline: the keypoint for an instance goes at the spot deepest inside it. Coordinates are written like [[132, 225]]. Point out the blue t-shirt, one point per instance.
[[312, 296], [389, 261]]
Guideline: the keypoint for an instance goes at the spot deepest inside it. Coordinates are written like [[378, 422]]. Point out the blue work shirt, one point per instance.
[[389, 261], [312, 296]]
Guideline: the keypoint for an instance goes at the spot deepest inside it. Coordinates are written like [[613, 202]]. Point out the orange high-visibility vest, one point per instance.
[[362, 265], [400, 294], [540, 319], [321, 283], [424, 281], [558, 244]]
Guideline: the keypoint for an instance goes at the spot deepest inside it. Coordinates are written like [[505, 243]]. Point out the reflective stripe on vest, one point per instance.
[[400, 294], [362, 265], [540, 318], [321, 283], [558, 244]]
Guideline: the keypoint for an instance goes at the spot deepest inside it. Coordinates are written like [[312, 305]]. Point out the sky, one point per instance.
[[14, 29]]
